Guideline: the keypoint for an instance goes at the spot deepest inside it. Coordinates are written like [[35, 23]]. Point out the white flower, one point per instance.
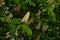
[[38, 26], [26, 17], [45, 27], [3, 3]]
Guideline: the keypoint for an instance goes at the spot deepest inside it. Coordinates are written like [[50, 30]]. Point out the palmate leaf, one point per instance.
[[52, 15], [56, 4], [26, 29]]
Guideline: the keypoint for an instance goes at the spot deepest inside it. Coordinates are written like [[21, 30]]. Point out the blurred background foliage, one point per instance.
[[29, 19]]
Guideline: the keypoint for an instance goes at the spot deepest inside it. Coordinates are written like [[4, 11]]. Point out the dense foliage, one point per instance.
[[29, 19]]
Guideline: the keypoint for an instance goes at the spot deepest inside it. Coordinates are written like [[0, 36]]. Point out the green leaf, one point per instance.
[[14, 1], [32, 3], [52, 15], [26, 29], [11, 27]]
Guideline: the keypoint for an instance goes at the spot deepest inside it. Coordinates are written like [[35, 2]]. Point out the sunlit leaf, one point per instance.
[[26, 29]]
